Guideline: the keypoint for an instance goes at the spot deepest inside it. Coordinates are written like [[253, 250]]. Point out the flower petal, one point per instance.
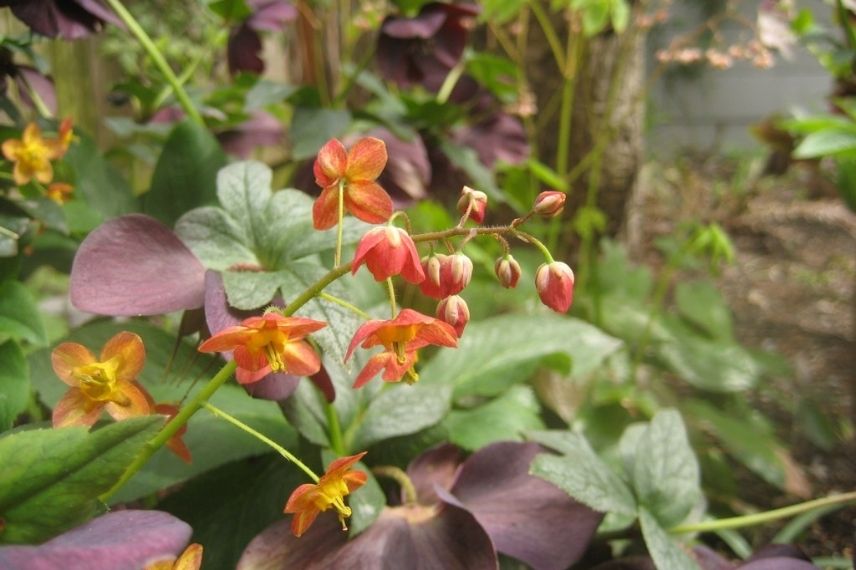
[[525, 516], [245, 376], [12, 149], [330, 164], [340, 465], [68, 356], [249, 360], [227, 339], [366, 160], [437, 333], [368, 202], [368, 242], [297, 327], [75, 409], [129, 350], [300, 358], [139, 403], [375, 364], [363, 333], [325, 209]]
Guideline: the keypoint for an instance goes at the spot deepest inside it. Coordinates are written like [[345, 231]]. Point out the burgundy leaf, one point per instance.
[[778, 563], [779, 551], [29, 78], [243, 49], [501, 137], [277, 548], [422, 27], [261, 129], [435, 467], [270, 15], [69, 19], [118, 540], [525, 516], [134, 265], [408, 172]]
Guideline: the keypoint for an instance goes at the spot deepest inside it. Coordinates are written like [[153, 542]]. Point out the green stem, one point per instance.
[[765, 517], [549, 32], [343, 303], [335, 427], [536, 242], [315, 289], [400, 477], [172, 427], [157, 58], [261, 437], [340, 227], [391, 290], [451, 80], [656, 305]]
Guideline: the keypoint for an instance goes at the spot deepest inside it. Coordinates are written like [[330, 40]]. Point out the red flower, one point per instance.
[[357, 171], [389, 251], [270, 343], [446, 275], [555, 284], [507, 271], [549, 204], [308, 500], [401, 337], [479, 204], [108, 383], [454, 311]]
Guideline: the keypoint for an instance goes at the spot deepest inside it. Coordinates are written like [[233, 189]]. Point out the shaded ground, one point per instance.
[[792, 291]]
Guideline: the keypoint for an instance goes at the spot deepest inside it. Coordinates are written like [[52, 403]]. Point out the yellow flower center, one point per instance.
[[272, 342], [98, 381], [331, 493], [33, 154]]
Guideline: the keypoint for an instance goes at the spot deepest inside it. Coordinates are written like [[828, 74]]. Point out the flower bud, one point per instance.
[[549, 204], [555, 284], [446, 274], [507, 271], [388, 251], [454, 311], [479, 204]]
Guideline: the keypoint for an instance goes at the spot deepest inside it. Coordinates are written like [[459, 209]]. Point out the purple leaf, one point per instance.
[[270, 15], [420, 538], [243, 49], [261, 129], [435, 467], [277, 548], [134, 265], [29, 78], [501, 137], [118, 540], [423, 26], [778, 563], [69, 19], [408, 173], [525, 516]]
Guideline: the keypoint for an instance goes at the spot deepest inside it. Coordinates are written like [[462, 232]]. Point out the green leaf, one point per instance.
[[305, 413], [212, 441], [215, 238], [829, 142], [51, 478], [265, 93], [312, 127], [19, 315], [701, 303], [480, 176], [100, 184], [846, 182], [500, 11], [367, 502], [505, 418], [250, 495], [231, 10], [185, 173], [620, 15], [581, 473], [666, 552], [402, 410], [547, 175], [665, 471], [14, 383], [495, 344], [498, 74]]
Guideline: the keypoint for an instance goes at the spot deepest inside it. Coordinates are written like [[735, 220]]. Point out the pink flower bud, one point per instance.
[[479, 204], [549, 204], [446, 274], [555, 284], [507, 271], [388, 251], [454, 311]]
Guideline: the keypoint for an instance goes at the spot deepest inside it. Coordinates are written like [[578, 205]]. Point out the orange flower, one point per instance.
[[401, 337], [388, 251], [269, 343], [32, 154], [357, 171], [308, 500], [175, 443], [108, 383], [190, 559], [60, 192]]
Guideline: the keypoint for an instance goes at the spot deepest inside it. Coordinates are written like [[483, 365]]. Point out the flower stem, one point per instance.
[[765, 517], [400, 477], [315, 289], [157, 58], [336, 442], [340, 227], [536, 242], [172, 427], [343, 303], [261, 437], [391, 290], [451, 80]]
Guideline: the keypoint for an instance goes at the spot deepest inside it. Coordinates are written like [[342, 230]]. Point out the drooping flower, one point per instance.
[[446, 275], [356, 171], [33, 153], [269, 343], [309, 500], [190, 559], [478, 200], [60, 192], [549, 204], [176, 443], [454, 311], [388, 251], [401, 338], [97, 384], [507, 271], [555, 285], [68, 19]]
